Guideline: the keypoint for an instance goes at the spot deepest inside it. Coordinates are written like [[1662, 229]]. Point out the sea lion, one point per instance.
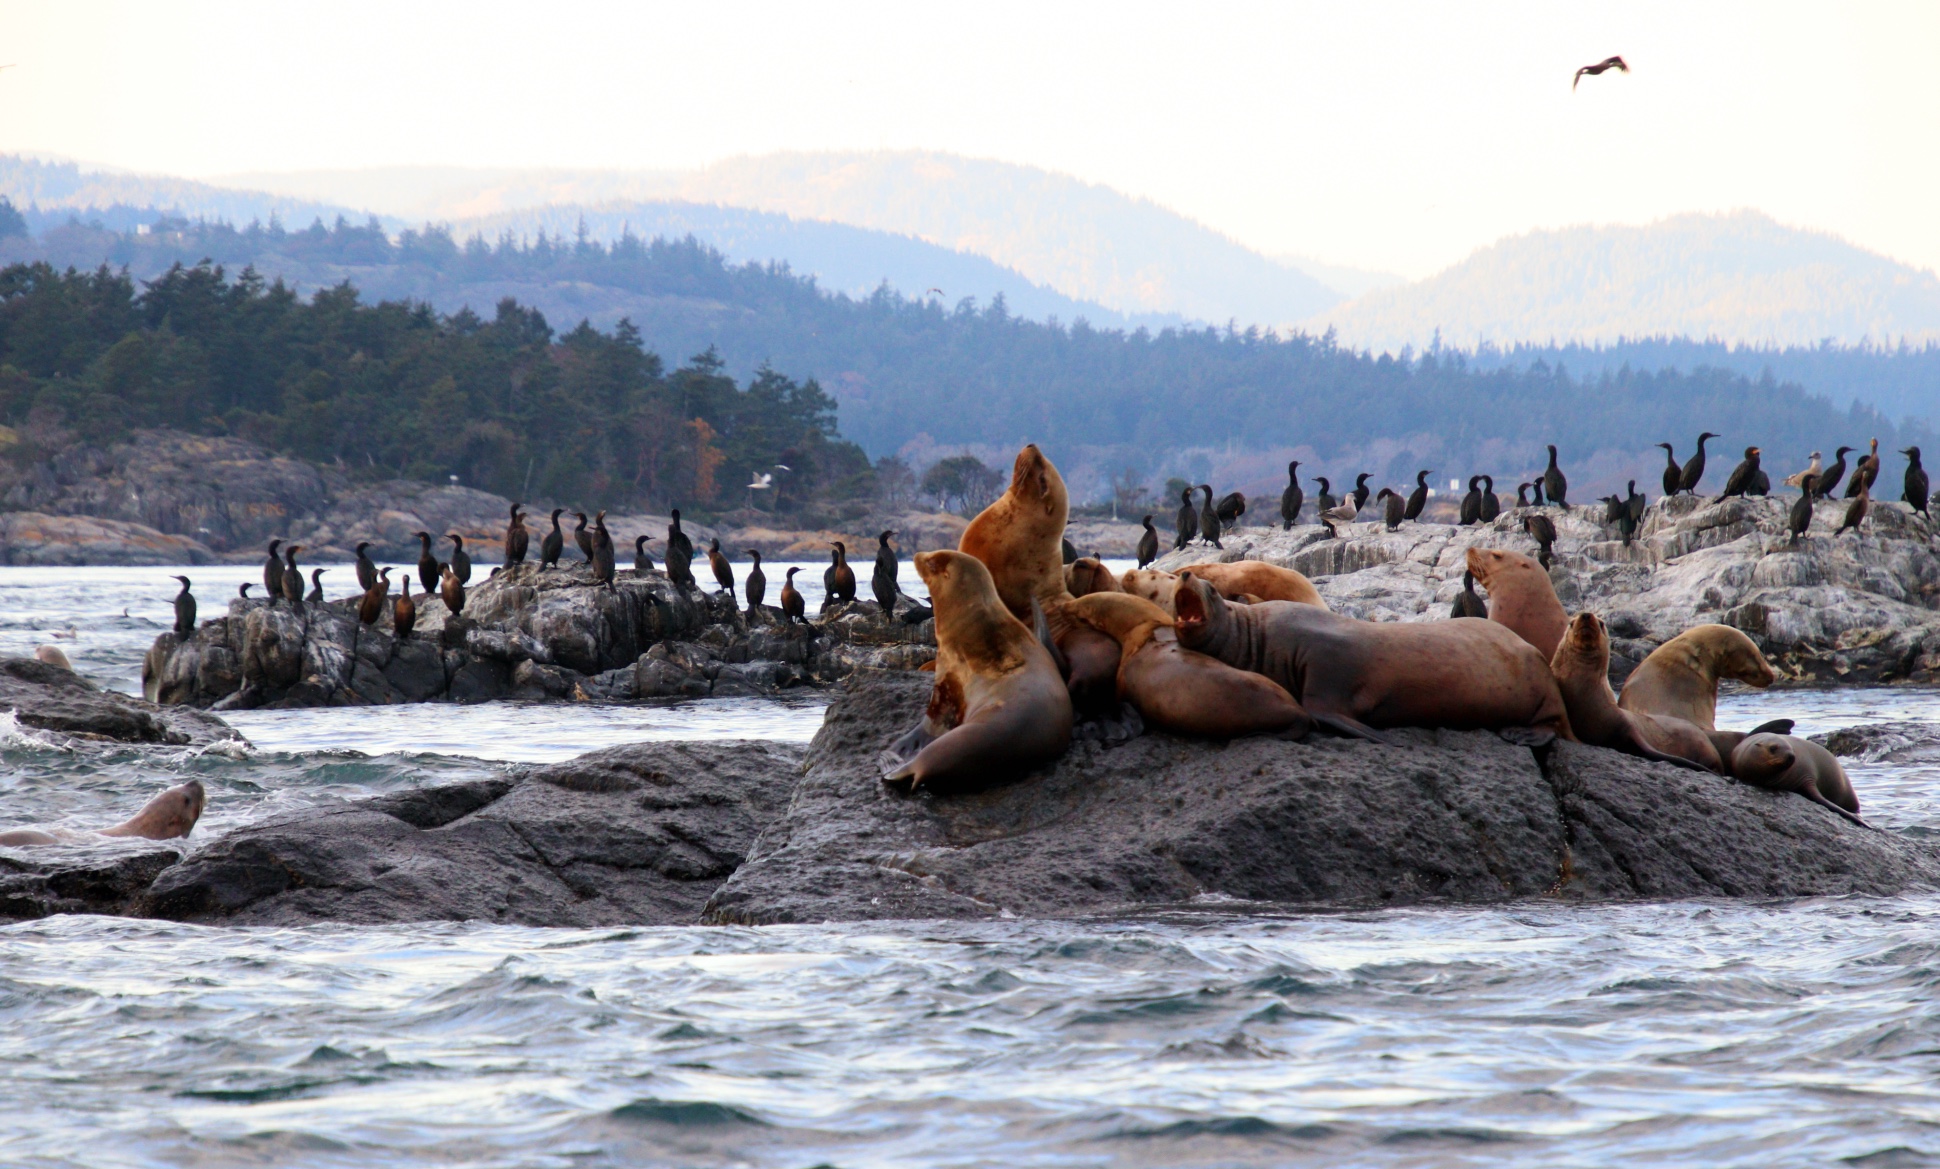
[[1178, 690], [1582, 669], [1087, 575], [1020, 537], [1520, 597], [1680, 677], [52, 655], [1153, 584], [1268, 582], [1354, 676], [999, 706], [1788, 764], [166, 817]]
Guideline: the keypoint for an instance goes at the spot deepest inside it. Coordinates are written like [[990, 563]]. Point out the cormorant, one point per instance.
[[582, 537], [1916, 492], [273, 574], [461, 561], [602, 560], [1800, 521], [793, 608], [1230, 509], [642, 563], [553, 544], [882, 582], [1693, 472], [404, 613], [1418, 498], [1472, 502], [1857, 509], [1291, 499], [1554, 485], [677, 542], [1394, 509], [1470, 603], [1673, 474], [1866, 468], [184, 610], [1829, 481], [292, 578], [757, 583], [1491, 506], [316, 586], [366, 570], [723, 571], [1522, 495], [1633, 513], [1148, 544], [372, 606], [841, 578], [1209, 519], [516, 538], [452, 590], [1188, 520], [1325, 500], [1598, 69], [1613, 509], [1536, 496], [1361, 490], [1539, 526], [1744, 476], [427, 564], [243, 590]]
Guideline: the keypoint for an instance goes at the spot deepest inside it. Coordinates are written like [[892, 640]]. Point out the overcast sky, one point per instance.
[[1387, 135]]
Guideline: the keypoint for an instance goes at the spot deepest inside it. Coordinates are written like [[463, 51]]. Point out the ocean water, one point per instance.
[[1219, 1034]]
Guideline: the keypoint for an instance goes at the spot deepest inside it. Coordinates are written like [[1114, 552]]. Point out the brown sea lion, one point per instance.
[[1680, 677], [999, 706], [1088, 660], [166, 817], [52, 655], [1582, 669], [1020, 538], [1154, 585], [1788, 764], [1268, 582], [1087, 575], [1178, 690], [1353, 676], [1520, 597]]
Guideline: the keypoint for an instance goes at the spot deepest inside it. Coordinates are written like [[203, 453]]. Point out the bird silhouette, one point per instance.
[[1607, 63]]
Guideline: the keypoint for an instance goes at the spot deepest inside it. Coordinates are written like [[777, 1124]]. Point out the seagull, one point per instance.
[[762, 482], [1798, 478], [1616, 63], [937, 291]]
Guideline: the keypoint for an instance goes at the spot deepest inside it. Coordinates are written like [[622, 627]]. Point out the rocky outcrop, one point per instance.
[[49, 698], [1860, 607], [1446, 816], [106, 877], [529, 634], [30, 537]]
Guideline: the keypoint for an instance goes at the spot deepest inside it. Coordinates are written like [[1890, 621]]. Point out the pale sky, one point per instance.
[[1397, 136]]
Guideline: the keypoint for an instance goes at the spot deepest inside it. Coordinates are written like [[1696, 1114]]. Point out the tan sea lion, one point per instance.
[[1680, 677], [1353, 676], [1520, 597], [1020, 538], [1268, 582], [1152, 584], [1086, 575], [999, 706], [167, 816], [1788, 764], [1178, 690], [1582, 669], [52, 655]]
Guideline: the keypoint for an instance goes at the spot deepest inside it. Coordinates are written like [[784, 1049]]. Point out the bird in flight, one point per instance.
[[1607, 63], [938, 291]]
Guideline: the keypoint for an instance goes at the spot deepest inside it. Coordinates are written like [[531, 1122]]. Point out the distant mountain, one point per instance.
[[1739, 278], [52, 192]]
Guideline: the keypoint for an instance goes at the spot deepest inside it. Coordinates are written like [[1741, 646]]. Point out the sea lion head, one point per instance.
[[1118, 615], [1735, 655], [52, 655], [1586, 639], [1035, 481], [1152, 584], [957, 581], [169, 815], [1198, 609], [1762, 757], [1086, 575], [1492, 565]]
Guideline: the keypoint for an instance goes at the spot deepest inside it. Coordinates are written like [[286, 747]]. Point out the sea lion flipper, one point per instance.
[[896, 757], [1350, 728], [1812, 793], [1778, 726], [1041, 625]]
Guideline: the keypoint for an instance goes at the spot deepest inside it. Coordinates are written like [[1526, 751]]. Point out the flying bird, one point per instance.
[[1616, 63], [937, 291]]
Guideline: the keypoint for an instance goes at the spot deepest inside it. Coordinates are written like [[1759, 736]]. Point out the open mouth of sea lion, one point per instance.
[[1188, 606]]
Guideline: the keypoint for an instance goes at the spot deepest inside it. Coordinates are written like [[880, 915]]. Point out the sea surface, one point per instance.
[[1693, 1033]]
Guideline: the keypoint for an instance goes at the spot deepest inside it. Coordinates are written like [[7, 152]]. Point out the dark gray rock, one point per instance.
[[1889, 742], [53, 699], [95, 878], [637, 835]]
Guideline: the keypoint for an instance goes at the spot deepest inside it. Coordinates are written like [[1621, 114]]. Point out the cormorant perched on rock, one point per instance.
[[1230, 509], [461, 561], [366, 570], [316, 585], [371, 607], [1209, 519], [553, 544], [516, 538], [1539, 526], [1325, 500], [1673, 474], [1470, 603], [1633, 513], [882, 581], [1522, 495], [1361, 490], [184, 610], [1828, 482], [1916, 492], [839, 584], [404, 613], [1693, 473], [427, 564], [1761, 483], [1800, 520], [1148, 544], [292, 578], [273, 574], [1867, 468], [1188, 520], [1472, 502], [582, 537], [243, 590], [677, 542], [1613, 509], [757, 583], [1554, 485], [1797, 478], [1418, 498], [642, 563], [1392, 513], [793, 607], [1857, 509], [452, 590], [602, 561], [723, 571], [1744, 476], [1291, 499], [1536, 492], [1491, 506]]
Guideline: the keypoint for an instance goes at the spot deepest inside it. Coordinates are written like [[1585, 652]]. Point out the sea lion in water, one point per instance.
[[999, 706], [52, 655], [1582, 669], [1788, 764], [1087, 575], [166, 817], [1680, 677], [1354, 676], [1020, 537], [1520, 597], [1257, 578], [1179, 690]]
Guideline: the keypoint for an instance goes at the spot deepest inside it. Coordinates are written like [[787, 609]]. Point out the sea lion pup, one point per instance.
[[1354, 676], [1020, 537], [1087, 575], [1582, 669], [1520, 597], [1268, 582], [1787, 764], [1178, 690], [1680, 677], [166, 817], [999, 706]]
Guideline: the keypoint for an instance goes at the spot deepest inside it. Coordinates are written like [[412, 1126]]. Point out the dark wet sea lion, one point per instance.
[[1020, 537], [1355, 676], [1680, 677], [166, 817], [1087, 575], [1520, 597], [1268, 582], [999, 706], [1789, 764], [1582, 669]]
